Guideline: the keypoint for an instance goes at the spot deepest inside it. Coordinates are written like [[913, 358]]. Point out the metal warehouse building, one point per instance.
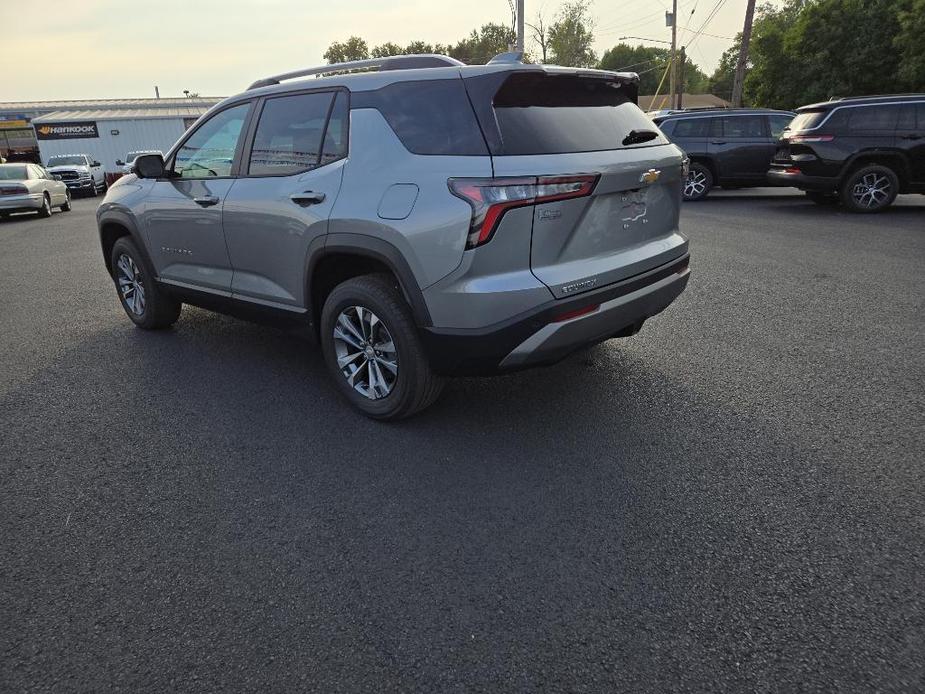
[[105, 129]]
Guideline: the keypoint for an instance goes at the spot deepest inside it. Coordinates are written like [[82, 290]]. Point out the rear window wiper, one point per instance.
[[638, 136]]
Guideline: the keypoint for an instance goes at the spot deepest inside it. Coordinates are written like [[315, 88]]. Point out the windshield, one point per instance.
[[12, 173], [72, 160]]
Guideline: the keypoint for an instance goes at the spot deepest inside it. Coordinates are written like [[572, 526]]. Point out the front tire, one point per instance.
[[699, 182], [373, 351], [145, 303], [869, 189]]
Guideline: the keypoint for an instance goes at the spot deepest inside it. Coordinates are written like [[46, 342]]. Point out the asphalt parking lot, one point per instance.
[[732, 500]]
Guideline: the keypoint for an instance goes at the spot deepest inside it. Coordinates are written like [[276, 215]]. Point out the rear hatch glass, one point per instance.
[[805, 120], [555, 114]]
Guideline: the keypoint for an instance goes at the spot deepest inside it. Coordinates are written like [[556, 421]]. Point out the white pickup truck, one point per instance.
[[79, 172]]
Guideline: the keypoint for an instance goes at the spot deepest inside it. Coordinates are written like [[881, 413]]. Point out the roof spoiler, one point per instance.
[[391, 62]]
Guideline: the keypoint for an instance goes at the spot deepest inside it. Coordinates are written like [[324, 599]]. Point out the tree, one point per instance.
[[483, 45], [386, 49], [720, 82], [910, 42], [570, 36], [539, 32], [650, 63], [353, 48]]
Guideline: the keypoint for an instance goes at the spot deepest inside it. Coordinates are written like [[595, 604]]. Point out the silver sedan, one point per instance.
[[29, 187]]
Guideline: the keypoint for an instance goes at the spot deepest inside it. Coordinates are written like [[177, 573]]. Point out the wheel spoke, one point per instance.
[[350, 338], [348, 359], [347, 324], [365, 352]]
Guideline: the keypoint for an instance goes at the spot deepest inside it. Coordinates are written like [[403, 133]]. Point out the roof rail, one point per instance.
[[391, 62], [511, 57]]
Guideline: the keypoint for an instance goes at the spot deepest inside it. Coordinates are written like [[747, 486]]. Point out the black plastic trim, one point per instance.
[[480, 352]]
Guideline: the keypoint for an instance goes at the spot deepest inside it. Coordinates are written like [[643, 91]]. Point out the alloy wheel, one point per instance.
[[695, 185], [366, 354], [131, 285], [872, 191]]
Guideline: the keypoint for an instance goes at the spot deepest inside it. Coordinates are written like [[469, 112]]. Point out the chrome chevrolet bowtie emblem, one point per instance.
[[650, 177]]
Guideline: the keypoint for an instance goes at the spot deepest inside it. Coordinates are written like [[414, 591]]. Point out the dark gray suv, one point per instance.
[[425, 218]]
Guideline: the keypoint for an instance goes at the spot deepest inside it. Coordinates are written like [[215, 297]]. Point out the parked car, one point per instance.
[[132, 156], [731, 148], [80, 172], [425, 222], [25, 187], [861, 151]]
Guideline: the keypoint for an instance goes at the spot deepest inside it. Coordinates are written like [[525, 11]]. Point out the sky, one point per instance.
[[114, 49]]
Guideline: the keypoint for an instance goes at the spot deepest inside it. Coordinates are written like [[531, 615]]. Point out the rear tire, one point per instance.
[[66, 207], [45, 210], [869, 189], [144, 301], [699, 182], [373, 351]]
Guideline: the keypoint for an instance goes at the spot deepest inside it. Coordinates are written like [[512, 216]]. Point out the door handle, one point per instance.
[[717, 142], [309, 197], [206, 200], [911, 137]]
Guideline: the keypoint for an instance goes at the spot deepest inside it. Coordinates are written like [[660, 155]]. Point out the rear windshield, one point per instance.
[[13, 173], [806, 119], [555, 114]]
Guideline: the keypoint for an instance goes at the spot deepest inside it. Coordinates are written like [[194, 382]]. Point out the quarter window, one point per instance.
[[873, 118], [288, 137], [209, 152], [777, 125]]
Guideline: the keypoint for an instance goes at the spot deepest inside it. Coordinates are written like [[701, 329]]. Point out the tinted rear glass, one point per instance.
[[429, 117], [555, 114], [865, 118], [807, 119]]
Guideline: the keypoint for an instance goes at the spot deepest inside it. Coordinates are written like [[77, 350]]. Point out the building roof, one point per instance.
[[106, 104], [121, 114], [687, 101]]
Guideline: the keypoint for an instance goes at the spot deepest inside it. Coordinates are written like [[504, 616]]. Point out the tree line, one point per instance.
[[801, 52]]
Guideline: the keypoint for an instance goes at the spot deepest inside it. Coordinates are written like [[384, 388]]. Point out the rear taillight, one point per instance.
[[490, 198], [13, 190], [811, 138]]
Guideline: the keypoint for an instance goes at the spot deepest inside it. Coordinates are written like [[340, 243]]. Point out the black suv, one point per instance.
[[727, 147], [862, 151]]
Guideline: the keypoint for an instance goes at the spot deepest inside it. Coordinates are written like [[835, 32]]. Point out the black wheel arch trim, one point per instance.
[[378, 250], [125, 220], [850, 164]]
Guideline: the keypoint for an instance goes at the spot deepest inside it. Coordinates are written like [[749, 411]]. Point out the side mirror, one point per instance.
[[95, 163], [119, 162], [149, 166]]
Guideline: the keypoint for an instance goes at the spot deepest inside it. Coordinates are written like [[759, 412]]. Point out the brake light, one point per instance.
[[14, 190], [811, 138], [490, 198]]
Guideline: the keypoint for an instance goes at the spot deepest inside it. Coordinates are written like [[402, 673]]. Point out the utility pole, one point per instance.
[[743, 54], [673, 69], [680, 86], [520, 26]]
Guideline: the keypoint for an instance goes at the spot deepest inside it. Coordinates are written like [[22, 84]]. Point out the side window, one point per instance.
[[866, 118], [209, 152], [743, 126], [692, 127], [920, 114], [335, 138], [288, 137], [777, 124]]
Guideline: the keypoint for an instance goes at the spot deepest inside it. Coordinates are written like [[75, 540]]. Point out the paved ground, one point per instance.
[[731, 500]]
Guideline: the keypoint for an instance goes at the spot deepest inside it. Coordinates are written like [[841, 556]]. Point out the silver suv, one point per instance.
[[424, 217]]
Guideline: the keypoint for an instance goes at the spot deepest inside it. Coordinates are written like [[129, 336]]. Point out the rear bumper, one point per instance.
[[540, 337], [780, 177], [19, 203]]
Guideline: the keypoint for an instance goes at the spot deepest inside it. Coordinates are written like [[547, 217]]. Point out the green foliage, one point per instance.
[[353, 48], [809, 50], [570, 36], [650, 63], [483, 45]]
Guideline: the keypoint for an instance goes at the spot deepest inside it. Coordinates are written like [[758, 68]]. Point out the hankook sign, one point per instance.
[[66, 131]]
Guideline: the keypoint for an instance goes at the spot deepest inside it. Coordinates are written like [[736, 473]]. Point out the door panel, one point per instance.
[[910, 139], [185, 238], [269, 234], [741, 147]]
